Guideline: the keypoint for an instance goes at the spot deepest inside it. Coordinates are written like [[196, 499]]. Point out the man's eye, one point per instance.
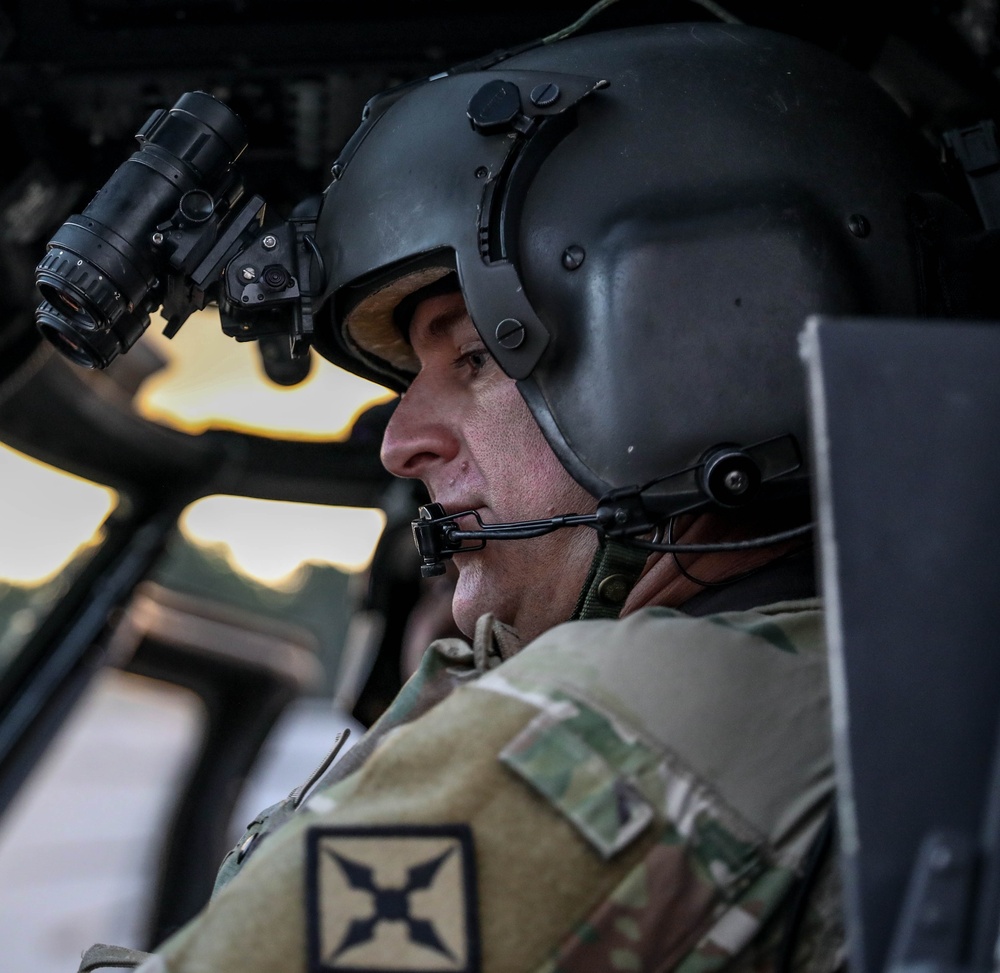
[[475, 359]]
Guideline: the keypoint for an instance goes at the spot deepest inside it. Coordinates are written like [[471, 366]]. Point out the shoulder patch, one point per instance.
[[392, 899], [588, 768]]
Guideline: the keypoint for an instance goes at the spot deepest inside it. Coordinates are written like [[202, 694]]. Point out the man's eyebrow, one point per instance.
[[444, 323]]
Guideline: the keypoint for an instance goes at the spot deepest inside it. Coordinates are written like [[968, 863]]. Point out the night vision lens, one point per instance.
[[72, 305], [64, 334]]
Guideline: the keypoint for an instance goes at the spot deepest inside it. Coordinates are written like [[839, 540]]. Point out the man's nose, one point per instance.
[[419, 435]]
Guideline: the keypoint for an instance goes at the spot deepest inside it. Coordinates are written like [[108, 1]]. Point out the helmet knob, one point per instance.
[[729, 476], [495, 107]]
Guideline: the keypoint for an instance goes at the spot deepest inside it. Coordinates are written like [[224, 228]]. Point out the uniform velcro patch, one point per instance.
[[392, 899], [588, 769]]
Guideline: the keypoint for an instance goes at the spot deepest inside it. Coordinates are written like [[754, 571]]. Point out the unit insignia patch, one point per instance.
[[392, 899]]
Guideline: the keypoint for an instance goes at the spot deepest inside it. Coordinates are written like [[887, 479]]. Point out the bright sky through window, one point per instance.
[[46, 517], [269, 540], [213, 380]]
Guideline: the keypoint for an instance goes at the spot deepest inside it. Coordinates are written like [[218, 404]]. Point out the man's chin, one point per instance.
[[472, 599], [466, 612]]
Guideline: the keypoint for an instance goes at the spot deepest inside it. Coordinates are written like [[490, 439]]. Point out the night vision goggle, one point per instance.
[[172, 228]]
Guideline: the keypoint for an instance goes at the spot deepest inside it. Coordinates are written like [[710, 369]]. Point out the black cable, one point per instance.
[[715, 9], [743, 575], [520, 530], [311, 244], [747, 545], [439, 537], [736, 577]]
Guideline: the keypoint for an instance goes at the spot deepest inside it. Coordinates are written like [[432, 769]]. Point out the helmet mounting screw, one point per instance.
[[510, 333], [248, 273], [858, 225], [736, 482], [545, 94], [729, 476], [573, 256]]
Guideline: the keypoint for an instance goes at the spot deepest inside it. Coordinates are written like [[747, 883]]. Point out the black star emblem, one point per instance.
[[392, 899], [391, 904]]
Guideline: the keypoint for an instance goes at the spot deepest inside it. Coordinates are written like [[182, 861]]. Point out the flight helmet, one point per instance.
[[640, 222]]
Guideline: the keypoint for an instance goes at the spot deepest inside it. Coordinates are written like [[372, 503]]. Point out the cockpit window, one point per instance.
[[210, 381], [50, 527], [303, 564]]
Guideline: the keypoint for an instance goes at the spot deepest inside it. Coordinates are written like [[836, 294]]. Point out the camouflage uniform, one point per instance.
[[620, 795]]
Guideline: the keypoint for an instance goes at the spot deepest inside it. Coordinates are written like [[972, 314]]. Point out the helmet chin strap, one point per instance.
[[613, 573]]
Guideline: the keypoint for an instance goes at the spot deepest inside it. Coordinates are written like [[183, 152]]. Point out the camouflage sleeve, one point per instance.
[[446, 663], [621, 795]]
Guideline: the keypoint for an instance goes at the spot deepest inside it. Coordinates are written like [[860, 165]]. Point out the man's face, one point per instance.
[[464, 430]]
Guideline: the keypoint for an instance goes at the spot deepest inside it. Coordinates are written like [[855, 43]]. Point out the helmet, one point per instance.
[[640, 222]]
